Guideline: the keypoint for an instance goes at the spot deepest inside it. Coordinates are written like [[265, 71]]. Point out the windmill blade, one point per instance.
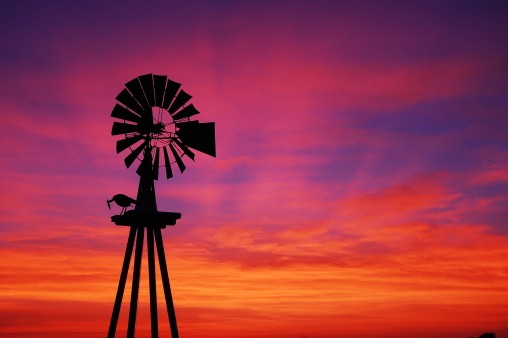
[[170, 93], [159, 84], [155, 166], [137, 91], [179, 101], [127, 100], [124, 128], [186, 112], [198, 136], [125, 114], [132, 156], [186, 150], [147, 84], [169, 173], [126, 143], [179, 161]]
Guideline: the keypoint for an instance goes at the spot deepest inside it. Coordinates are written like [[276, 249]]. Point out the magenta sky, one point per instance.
[[361, 180]]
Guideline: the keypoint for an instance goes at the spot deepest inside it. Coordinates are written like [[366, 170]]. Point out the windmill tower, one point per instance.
[[155, 116]]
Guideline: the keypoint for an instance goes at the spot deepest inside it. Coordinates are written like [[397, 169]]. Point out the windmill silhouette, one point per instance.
[[155, 116]]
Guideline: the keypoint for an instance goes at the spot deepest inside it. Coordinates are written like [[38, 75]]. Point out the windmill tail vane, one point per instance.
[[154, 118]]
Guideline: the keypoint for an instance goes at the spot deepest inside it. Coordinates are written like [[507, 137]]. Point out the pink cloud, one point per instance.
[[493, 176]]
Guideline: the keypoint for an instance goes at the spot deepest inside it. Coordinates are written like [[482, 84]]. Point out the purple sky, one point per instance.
[[361, 178]]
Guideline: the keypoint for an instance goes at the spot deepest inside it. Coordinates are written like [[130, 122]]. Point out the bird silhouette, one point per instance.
[[121, 200]]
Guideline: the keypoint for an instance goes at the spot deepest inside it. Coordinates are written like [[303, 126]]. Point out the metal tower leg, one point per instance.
[[152, 285], [135, 282], [121, 284], [165, 282]]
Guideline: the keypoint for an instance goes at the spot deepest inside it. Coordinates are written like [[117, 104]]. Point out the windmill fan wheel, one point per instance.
[[156, 116]]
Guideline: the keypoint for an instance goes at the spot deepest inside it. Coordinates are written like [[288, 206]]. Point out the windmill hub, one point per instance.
[[158, 128]]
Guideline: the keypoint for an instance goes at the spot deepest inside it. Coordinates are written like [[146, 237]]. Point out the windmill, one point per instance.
[[153, 116]]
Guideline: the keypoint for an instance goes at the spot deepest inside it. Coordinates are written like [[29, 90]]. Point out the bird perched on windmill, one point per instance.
[[122, 200]]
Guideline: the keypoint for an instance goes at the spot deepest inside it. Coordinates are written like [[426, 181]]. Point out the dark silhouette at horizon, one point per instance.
[[487, 335]]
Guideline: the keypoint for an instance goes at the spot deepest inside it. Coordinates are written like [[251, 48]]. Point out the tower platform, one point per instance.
[[158, 219]]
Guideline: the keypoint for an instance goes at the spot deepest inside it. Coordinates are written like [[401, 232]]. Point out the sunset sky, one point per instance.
[[360, 187]]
